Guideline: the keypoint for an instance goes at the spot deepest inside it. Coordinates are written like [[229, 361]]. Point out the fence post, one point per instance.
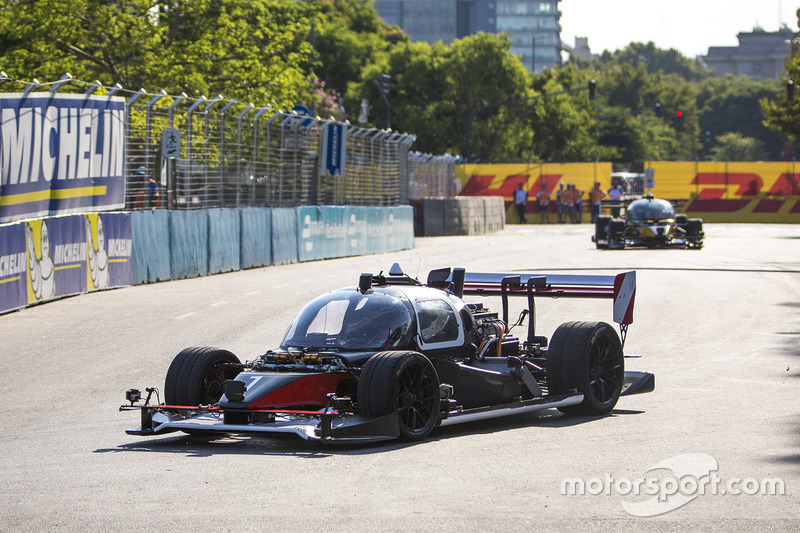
[[255, 150], [148, 138], [222, 113]]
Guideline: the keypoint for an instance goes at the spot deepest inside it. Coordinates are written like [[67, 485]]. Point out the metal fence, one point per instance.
[[227, 153], [231, 154]]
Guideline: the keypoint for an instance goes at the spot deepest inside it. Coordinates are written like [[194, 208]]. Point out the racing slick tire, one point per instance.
[[601, 230], [694, 233], [404, 382], [616, 234], [587, 357], [197, 376]]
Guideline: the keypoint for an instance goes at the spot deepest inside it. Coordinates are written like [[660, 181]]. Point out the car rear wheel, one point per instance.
[[587, 357], [197, 376], [601, 230], [616, 234], [694, 232], [405, 383]]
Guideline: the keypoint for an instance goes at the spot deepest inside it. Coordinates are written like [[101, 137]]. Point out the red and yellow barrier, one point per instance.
[[767, 192]]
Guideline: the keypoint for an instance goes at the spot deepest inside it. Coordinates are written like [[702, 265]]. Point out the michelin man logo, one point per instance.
[[97, 254], [40, 266]]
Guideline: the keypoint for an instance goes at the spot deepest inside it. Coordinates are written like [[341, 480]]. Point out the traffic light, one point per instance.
[[789, 90], [658, 110], [384, 84], [708, 136], [678, 114], [592, 87]]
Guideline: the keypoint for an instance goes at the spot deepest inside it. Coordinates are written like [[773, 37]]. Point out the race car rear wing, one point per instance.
[[621, 288]]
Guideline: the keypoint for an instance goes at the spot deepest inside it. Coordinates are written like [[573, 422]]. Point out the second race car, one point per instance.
[[649, 222]]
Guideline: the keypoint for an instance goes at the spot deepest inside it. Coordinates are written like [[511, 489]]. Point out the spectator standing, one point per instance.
[[560, 205], [615, 195], [596, 196], [543, 199], [569, 203], [521, 202], [577, 199]]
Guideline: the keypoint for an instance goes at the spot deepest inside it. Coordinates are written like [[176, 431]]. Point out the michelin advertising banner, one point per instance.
[[60, 154], [44, 259]]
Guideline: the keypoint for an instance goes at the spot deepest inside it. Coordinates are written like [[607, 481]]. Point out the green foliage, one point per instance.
[[250, 49], [282, 52], [781, 113], [655, 60], [734, 147]]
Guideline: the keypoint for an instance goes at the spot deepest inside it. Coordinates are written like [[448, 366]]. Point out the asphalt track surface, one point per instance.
[[720, 328]]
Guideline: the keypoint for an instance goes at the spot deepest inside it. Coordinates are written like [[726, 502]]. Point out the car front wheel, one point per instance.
[[403, 382], [197, 376]]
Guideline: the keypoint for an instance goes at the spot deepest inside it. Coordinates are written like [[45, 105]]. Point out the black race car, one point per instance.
[[649, 222], [393, 358]]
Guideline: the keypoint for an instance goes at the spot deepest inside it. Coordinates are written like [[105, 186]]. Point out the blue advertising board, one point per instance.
[[334, 148], [43, 259], [60, 153], [108, 250], [56, 257], [13, 267]]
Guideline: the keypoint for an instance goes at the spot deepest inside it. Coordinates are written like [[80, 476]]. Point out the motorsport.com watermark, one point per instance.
[[692, 475]]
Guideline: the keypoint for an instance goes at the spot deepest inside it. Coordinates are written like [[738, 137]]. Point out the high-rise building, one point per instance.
[[533, 25], [760, 54]]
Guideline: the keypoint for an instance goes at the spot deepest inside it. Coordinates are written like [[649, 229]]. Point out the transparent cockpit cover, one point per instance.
[[349, 320], [650, 210]]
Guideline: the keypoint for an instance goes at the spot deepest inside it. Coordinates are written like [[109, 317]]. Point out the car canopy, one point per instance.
[[349, 320], [650, 209]]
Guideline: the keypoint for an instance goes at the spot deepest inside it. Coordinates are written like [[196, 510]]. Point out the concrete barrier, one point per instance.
[[150, 251], [256, 237], [284, 235], [188, 233], [461, 215], [224, 240], [156, 245]]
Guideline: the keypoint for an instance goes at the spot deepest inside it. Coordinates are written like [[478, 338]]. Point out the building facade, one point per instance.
[[760, 54], [533, 25]]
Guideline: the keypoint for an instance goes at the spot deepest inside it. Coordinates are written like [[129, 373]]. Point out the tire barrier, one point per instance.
[[461, 215], [45, 259]]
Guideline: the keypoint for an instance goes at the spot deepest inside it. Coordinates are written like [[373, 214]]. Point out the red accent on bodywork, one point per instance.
[[308, 390], [618, 282]]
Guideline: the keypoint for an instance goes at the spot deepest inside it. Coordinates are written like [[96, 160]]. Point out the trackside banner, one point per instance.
[[60, 154], [42, 259]]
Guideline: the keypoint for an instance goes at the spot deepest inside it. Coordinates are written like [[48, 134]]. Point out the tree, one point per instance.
[[733, 146], [250, 49]]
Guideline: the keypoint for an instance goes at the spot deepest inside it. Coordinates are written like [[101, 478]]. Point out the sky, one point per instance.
[[689, 26]]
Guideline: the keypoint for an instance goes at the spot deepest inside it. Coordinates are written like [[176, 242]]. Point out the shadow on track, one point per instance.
[[291, 445]]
